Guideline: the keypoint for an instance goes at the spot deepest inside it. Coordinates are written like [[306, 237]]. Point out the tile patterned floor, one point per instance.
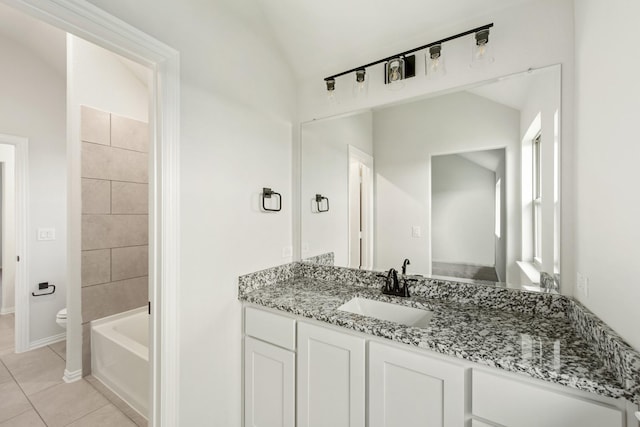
[[32, 392]]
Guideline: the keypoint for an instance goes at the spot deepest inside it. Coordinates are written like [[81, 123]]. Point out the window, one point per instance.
[[537, 200]]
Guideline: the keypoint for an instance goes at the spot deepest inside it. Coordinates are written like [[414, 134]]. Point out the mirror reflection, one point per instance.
[[464, 184]]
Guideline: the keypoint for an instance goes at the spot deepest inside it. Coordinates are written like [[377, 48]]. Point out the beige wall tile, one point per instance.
[[129, 262], [101, 162], [96, 267], [65, 403], [104, 300], [96, 196], [95, 126], [129, 198], [130, 134], [113, 231]]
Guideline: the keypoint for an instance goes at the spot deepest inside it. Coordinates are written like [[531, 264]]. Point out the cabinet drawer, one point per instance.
[[270, 327], [513, 403]]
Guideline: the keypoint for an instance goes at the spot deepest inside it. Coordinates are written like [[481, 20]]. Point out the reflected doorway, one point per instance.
[[360, 209], [467, 214]]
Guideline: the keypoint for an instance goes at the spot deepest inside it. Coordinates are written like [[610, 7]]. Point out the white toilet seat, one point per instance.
[[61, 317]]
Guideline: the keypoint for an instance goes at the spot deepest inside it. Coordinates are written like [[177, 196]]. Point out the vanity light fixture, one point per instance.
[[331, 88], [395, 73], [481, 52], [361, 85], [404, 62], [395, 70], [434, 62]]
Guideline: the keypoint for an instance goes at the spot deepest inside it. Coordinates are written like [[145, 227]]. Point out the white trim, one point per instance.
[[72, 376], [21, 306], [85, 20], [7, 310], [42, 342]]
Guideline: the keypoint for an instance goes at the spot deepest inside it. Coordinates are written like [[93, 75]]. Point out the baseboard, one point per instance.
[[7, 310], [70, 377], [47, 340]]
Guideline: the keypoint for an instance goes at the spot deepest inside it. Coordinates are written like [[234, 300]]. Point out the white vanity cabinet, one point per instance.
[[269, 389], [269, 369], [304, 374], [331, 378], [505, 401], [410, 389]]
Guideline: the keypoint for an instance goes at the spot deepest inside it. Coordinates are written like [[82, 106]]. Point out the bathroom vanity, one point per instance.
[[486, 356]]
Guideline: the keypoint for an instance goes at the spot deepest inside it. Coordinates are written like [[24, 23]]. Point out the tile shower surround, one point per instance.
[[594, 358], [114, 217]]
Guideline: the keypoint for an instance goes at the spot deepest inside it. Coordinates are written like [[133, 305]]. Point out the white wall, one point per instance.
[[606, 158], [237, 106], [325, 170], [32, 105], [99, 79], [404, 139], [462, 211], [529, 35]]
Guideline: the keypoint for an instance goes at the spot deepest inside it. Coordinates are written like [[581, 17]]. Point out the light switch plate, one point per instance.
[[46, 234], [416, 231]]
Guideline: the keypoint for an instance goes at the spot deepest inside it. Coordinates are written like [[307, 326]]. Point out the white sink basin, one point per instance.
[[407, 316]]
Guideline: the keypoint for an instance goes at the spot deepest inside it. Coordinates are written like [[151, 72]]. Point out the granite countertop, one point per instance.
[[540, 346]]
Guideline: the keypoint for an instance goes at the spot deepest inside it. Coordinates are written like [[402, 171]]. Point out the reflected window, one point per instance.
[[498, 205], [537, 200]]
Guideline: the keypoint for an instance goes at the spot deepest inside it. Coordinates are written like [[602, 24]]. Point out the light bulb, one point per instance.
[[395, 74], [331, 90], [481, 52], [435, 62], [361, 84]]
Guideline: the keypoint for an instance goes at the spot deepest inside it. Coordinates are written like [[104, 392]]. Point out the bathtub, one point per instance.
[[120, 356]]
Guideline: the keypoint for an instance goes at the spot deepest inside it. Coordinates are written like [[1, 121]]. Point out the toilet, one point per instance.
[[61, 318]]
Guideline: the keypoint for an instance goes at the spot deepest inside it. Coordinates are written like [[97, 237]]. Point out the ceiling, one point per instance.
[[45, 41], [329, 36], [488, 159]]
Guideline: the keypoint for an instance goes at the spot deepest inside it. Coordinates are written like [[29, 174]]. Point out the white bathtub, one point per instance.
[[120, 356]]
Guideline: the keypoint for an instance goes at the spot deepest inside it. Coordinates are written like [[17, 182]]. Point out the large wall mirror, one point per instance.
[[464, 184]]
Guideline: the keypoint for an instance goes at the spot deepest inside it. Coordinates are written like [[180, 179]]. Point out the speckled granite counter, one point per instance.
[[534, 334]]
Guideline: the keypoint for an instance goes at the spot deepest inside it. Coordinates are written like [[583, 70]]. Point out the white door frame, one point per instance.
[[91, 23], [354, 154], [21, 146]]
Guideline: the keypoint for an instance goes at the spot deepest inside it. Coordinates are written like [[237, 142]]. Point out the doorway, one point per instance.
[[92, 24], [467, 215], [360, 209]]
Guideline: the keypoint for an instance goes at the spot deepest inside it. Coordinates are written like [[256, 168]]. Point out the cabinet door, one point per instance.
[[269, 385], [331, 378], [409, 389]]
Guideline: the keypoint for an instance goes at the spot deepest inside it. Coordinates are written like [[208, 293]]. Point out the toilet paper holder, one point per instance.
[[42, 286]]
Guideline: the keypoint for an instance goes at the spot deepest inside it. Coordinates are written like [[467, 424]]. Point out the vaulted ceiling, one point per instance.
[[329, 36], [46, 42]]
